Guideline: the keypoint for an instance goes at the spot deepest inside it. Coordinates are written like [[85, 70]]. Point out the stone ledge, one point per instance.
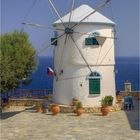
[[26, 102], [70, 109], [63, 108]]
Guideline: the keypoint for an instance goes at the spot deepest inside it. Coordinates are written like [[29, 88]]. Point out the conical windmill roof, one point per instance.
[[81, 12]]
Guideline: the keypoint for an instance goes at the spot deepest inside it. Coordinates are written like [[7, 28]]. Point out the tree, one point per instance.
[[17, 59]]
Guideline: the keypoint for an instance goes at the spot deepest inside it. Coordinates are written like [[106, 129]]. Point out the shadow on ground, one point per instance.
[[133, 116], [7, 115], [31, 109], [71, 115], [97, 114]]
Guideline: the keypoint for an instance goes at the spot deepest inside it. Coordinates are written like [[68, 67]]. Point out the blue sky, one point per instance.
[[124, 13]]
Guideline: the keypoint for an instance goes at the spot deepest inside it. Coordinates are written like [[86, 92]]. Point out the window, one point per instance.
[[94, 86], [54, 41], [91, 41], [94, 83]]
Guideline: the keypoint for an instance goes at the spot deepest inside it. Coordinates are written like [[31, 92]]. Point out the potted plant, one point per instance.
[[55, 109], [110, 102], [74, 102], [105, 105], [79, 108], [38, 108]]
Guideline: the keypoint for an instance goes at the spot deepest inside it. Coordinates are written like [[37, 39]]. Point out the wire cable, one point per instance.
[[29, 11], [56, 11], [105, 55], [98, 7], [80, 53], [111, 11], [72, 7], [42, 26], [59, 65], [49, 45], [50, 8], [98, 56]]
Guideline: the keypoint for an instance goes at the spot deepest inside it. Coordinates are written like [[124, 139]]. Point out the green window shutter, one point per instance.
[[53, 41], [94, 86], [91, 41]]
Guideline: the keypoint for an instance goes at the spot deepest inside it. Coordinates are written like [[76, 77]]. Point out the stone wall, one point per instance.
[[135, 94], [122, 94], [70, 109], [24, 102], [63, 108]]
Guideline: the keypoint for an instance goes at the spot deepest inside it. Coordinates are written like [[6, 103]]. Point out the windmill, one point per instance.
[[84, 55]]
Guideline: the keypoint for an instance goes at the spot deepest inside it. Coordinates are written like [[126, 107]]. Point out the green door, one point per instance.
[[94, 86]]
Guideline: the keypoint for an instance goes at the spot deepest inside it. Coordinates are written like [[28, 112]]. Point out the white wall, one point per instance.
[[75, 70]]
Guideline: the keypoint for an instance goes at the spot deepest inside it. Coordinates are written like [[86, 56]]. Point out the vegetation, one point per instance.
[[17, 59], [109, 97], [79, 105], [106, 100]]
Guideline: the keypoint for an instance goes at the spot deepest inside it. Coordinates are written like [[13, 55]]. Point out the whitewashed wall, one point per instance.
[[67, 86]]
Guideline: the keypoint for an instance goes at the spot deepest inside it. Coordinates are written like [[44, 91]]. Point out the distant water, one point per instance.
[[127, 67], [40, 79]]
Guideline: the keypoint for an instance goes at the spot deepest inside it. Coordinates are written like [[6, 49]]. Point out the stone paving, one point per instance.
[[28, 125]]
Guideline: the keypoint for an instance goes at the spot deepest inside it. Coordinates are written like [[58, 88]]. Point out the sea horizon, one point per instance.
[[127, 68]]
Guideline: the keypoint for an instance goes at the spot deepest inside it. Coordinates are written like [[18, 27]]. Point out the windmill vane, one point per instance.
[[84, 53]]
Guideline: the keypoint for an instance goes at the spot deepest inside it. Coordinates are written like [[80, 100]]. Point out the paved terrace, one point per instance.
[[28, 125]]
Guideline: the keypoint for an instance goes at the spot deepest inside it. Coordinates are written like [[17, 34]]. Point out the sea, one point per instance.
[[127, 68]]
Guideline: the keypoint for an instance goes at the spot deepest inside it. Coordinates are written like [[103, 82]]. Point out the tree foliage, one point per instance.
[[17, 59]]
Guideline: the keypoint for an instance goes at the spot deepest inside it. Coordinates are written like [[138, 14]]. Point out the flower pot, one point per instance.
[[104, 110], [38, 109], [55, 109], [79, 111]]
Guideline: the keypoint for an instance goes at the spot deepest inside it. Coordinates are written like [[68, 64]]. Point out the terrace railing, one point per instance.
[[32, 93]]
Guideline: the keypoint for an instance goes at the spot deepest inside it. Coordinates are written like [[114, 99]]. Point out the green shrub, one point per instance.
[[79, 105], [106, 100]]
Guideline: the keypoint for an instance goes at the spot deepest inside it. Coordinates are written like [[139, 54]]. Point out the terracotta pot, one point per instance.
[[104, 110], [55, 109], [79, 111], [38, 109]]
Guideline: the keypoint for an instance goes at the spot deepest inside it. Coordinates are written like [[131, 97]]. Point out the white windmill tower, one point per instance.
[[84, 56]]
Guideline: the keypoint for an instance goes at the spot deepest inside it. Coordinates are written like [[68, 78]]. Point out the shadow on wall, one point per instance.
[[133, 116]]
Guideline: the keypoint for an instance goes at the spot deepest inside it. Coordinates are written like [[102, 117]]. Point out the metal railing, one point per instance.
[[30, 93]]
